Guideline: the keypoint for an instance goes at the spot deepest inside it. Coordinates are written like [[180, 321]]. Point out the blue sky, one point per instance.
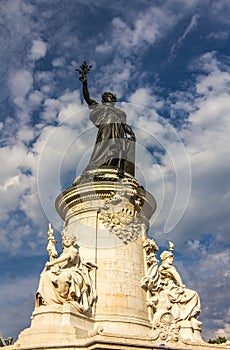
[[168, 63]]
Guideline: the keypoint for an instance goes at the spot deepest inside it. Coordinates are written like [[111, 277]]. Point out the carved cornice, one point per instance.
[[90, 195]]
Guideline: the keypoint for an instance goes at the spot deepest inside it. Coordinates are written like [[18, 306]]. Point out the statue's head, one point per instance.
[[166, 254], [108, 97], [68, 239]]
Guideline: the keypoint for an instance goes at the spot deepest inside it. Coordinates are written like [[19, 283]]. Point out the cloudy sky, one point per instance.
[[168, 63]]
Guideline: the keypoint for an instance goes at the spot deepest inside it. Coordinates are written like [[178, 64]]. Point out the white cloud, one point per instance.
[[30, 183], [143, 32], [13, 158], [20, 83], [224, 331], [206, 137], [158, 141], [16, 162], [214, 84], [104, 48], [208, 149], [51, 110], [144, 97], [188, 29], [35, 98], [219, 35], [194, 244], [213, 283], [25, 134], [59, 153], [148, 26], [38, 49], [59, 62], [207, 63]]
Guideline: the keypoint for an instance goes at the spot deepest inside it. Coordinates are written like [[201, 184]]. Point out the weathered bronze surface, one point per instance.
[[115, 142]]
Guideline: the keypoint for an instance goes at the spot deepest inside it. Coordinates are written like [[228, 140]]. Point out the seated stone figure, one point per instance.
[[67, 279], [174, 308], [185, 302]]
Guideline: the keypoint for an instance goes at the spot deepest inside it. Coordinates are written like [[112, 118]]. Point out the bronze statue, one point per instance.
[[115, 142]]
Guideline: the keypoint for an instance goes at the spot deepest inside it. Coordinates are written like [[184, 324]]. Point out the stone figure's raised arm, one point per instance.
[[62, 258], [84, 70]]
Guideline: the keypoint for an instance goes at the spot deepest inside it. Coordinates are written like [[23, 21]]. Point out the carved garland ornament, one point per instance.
[[166, 329], [120, 217]]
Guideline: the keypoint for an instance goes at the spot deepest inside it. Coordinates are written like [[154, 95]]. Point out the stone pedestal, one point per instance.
[[59, 324], [96, 217], [109, 217]]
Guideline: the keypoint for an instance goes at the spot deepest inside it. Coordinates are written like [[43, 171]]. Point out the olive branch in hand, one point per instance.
[[84, 69]]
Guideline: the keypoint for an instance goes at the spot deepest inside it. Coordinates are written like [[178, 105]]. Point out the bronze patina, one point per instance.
[[115, 141]]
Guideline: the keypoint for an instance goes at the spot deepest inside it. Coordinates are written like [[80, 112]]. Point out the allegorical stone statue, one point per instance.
[[174, 308], [67, 278], [115, 142]]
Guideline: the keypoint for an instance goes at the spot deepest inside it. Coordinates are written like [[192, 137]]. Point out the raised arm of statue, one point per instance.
[[62, 258], [84, 70], [85, 91]]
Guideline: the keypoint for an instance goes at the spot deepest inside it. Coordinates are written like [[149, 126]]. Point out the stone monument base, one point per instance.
[[60, 327], [56, 324], [65, 337]]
